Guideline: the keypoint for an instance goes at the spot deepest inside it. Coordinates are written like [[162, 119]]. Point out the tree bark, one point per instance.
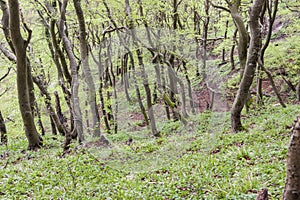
[[75, 81], [86, 68], [204, 37], [243, 34], [20, 45], [252, 59], [3, 130], [292, 183], [298, 90], [5, 24]]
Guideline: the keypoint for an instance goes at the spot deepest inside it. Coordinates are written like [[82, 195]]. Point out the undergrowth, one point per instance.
[[232, 166]]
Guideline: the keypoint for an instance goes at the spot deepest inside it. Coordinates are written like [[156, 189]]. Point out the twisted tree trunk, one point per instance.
[[252, 59], [75, 104]]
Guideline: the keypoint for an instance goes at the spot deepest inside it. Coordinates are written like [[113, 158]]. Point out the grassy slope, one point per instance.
[[235, 167]]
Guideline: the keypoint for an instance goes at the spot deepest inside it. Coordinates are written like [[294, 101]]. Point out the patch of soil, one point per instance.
[[102, 141], [136, 116], [280, 85], [204, 100], [217, 150], [202, 97]]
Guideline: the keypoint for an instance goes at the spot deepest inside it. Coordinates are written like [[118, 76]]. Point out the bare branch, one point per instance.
[[220, 7], [5, 75], [6, 89], [110, 29], [29, 31], [291, 9], [8, 54], [46, 10]]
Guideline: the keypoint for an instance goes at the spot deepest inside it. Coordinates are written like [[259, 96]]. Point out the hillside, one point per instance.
[[196, 154]]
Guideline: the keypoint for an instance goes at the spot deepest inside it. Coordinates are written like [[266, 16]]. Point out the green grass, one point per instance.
[[211, 165]]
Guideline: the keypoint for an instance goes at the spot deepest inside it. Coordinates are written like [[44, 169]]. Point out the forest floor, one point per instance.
[[203, 160]]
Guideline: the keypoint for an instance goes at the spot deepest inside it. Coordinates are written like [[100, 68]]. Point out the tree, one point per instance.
[[75, 104], [3, 131], [252, 59], [143, 72], [86, 68], [271, 19], [292, 183], [20, 45], [234, 7]]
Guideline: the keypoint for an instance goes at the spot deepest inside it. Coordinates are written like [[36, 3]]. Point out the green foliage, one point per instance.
[[171, 127]]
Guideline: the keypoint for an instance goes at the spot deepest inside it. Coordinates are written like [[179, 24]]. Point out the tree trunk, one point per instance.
[[143, 73], [109, 81], [204, 38], [225, 37], [125, 76], [78, 129], [104, 114], [252, 59], [292, 183], [298, 90], [49, 107], [40, 123], [243, 34], [261, 66], [86, 69], [3, 130], [34, 139], [164, 87], [191, 101], [5, 24], [53, 126]]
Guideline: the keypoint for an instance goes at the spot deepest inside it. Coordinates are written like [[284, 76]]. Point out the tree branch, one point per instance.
[[110, 29], [5, 75], [29, 31], [7, 53], [220, 7], [6, 89]]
